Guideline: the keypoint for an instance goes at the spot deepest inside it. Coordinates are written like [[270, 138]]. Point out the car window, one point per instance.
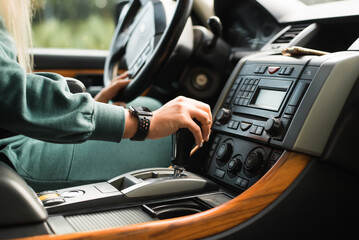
[[78, 24]]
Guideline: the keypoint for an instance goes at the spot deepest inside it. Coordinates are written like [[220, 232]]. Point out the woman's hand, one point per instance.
[[109, 92], [180, 113]]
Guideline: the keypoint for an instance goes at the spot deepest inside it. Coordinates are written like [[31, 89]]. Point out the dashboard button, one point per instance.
[[281, 71], [217, 139], [262, 69], [259, 130], [238, 181], [245, 126], [219, 173], [235, 125], [290, 110], [273, 70], [244, 183], [238, 80], [288, 70], [253, 129]]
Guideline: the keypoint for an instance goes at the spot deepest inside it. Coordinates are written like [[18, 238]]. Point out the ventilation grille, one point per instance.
[[108, 219], [290, 34]]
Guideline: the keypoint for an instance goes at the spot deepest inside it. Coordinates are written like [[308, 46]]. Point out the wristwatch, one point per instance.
[[143, 115]]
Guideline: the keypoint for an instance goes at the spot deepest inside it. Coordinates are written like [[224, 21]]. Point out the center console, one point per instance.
[[253, 119], [273, 103]]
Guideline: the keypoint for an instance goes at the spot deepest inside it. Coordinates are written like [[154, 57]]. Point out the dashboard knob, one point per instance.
[[235, 165], [224, 152], [253, 162], [273, 126], [224, 115]]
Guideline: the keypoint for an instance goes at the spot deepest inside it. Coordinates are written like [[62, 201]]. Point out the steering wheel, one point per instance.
[[144, 39]]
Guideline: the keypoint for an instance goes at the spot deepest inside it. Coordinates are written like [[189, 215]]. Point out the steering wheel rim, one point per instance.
[[160, 54]]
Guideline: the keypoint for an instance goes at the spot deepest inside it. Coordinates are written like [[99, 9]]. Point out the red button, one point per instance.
[[272, 70]]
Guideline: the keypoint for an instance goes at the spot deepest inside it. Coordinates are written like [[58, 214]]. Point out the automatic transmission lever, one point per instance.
[[182, 143]]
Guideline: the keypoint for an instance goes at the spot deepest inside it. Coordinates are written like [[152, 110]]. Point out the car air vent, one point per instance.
[[290, 34]]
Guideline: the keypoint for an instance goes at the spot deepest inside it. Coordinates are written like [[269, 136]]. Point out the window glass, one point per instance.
[[80, 24]]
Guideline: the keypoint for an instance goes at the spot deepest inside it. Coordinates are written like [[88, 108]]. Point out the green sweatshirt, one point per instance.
[[40, 105]]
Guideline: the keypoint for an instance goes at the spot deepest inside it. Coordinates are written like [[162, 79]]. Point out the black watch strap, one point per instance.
[[143, 115], [142, 128]]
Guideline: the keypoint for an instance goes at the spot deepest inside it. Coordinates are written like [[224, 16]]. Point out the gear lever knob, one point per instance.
[[182, 144]]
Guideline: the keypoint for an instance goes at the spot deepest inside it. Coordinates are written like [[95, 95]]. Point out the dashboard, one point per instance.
[[250, 25], [246, 25]]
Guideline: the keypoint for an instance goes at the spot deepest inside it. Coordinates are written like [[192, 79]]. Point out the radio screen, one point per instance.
[[268, 99]]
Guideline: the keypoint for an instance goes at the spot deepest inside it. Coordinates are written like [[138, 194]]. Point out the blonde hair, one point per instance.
[[17, 18]]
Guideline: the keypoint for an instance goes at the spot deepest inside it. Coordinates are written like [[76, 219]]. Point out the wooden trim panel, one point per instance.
[[71, 72], [213, 221]]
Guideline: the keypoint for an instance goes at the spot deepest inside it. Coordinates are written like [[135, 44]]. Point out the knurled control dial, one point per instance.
[[235, 165], [224, 152], [253, 162], [224, 115], [273, 126]]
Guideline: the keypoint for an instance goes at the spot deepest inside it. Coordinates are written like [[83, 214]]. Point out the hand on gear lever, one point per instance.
[[182, 144]]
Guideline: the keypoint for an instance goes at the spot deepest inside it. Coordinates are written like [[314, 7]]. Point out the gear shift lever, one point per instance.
[[182, 143]]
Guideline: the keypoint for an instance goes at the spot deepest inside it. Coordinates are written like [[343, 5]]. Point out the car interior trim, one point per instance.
[[235, 212], [320, 122], [72, 72]]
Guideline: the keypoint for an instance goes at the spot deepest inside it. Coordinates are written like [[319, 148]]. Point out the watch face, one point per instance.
[[141, 111]]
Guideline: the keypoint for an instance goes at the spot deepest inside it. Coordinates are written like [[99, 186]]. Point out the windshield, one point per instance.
[[313, 2]]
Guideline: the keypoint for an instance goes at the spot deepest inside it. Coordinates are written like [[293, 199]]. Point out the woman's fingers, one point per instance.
[[182, 113], [196, 131], [201, 112], [117, 86], [198, 104], [205, 107], [120, 77], [204, 119], [111, 91]]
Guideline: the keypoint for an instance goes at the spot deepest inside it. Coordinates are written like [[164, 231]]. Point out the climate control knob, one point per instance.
[[224, 152], [224, 115], [273, 126], [253, 161], [235, 165]]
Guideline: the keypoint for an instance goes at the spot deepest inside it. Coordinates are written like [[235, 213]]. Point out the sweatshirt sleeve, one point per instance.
[[40, 106]]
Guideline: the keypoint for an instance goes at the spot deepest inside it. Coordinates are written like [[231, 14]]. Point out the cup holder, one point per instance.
[[176, 212], [173, 209]]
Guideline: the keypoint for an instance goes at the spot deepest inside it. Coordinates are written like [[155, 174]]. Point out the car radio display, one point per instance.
[[268, 99]]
